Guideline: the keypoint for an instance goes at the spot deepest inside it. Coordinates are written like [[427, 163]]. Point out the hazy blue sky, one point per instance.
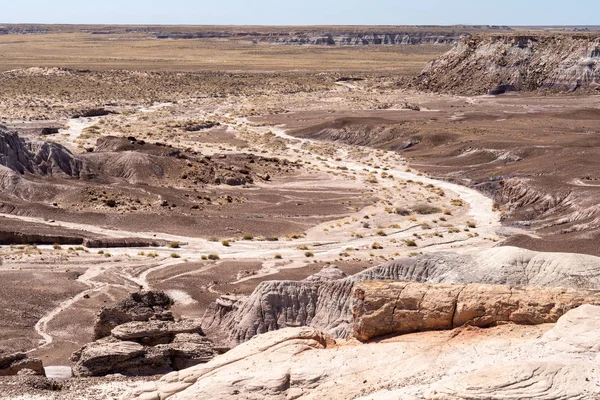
[[303, 12]]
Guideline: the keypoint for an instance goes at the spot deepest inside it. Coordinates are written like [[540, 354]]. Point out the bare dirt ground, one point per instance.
[[375, 171]]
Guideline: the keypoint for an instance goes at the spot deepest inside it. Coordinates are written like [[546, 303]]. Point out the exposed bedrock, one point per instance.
[[384, 308], [143, 306], [139, 336], [508, 363], [19, 363], [36, 156], [145, 348], [327, 305], [500, 63], [26, 159]]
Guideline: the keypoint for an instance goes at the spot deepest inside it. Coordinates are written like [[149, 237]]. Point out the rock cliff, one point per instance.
[[326, 305], [36, 156], [384, 308], [509, 362], [495, 64]]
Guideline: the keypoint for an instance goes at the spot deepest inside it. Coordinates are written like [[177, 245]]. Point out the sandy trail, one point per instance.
[[480, 206], [68, 137]]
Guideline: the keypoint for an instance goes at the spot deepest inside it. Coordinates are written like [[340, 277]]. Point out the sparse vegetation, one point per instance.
[[425, 209]]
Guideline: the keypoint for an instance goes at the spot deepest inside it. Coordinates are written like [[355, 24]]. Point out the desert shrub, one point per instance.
[[174, 245], [410, 243], [425, 209], [248, 236], [175, 255], [309, 254], [402, 211], [277, 256], [225, 243], [214, 257]]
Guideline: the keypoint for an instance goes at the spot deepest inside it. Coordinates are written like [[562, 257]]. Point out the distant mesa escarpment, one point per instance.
[[500, 63], [288, 35], [340, 36], [328, 39]]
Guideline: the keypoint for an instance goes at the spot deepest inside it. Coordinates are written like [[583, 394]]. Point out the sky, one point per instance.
[[302, 12]]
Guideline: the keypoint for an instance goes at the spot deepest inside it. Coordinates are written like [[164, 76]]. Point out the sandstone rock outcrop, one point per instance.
[[128, 357], [152, 333], [510, 362], [383, 308], [14, 363], [142, 306], [327, 305], [139, 336], [273, 346], [499, 63]]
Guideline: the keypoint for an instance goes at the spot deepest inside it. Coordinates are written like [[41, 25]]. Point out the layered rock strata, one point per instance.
[[384, 308]]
